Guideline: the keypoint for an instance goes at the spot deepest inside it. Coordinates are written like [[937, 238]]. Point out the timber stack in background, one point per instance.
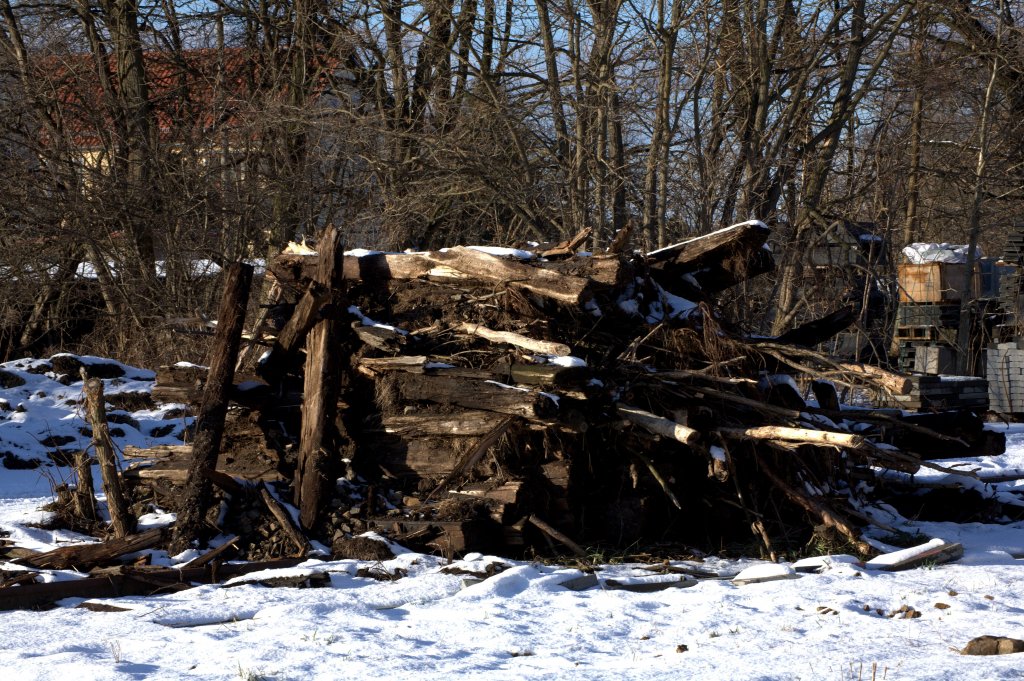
[[489, 399]]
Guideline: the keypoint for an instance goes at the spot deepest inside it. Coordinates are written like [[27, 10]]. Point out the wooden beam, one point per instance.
[[470, 394], [819, 330], [320, 393]]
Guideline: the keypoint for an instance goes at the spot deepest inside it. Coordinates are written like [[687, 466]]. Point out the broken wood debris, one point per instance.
[[561, 400]]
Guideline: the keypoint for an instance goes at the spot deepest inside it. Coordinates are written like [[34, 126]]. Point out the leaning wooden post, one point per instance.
[[213, 409], [120, 517], [320, 391]]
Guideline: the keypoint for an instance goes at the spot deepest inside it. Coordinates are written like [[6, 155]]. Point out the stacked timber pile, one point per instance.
[[487, 399], [944, 392]]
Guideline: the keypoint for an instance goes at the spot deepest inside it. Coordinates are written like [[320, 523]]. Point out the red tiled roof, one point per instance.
[[193, 94]]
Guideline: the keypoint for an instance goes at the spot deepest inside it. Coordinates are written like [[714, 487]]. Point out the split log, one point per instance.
[[81, 557], [711, 246], [658, 425], [459, 263], [934, 552], [818, 508], [185, 385], [551, 375], [321, 391], [171, 464], [798, 435], [379, 337], [825, 393], [120, 516], [415, 364], [603, 271], [778, 389], [450, 537], [716, 261], [505, 500], [158, 452], [423, 458], [545, 283], [210, 422], [518, 340], [85, 502]]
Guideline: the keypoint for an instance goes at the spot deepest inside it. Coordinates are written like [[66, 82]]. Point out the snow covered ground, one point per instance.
[[528, 621]]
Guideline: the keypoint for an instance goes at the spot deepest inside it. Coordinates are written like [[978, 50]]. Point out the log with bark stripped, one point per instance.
[[658, 425], [797, 435]]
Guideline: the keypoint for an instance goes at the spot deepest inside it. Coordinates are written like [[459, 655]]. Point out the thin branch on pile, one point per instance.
[[846, 373], [474, 455], [629, 354], [518, 340], [816, 507], [755, 518], [659, 479], [763, 407], [556, 535], [701, 374], [885, 453]]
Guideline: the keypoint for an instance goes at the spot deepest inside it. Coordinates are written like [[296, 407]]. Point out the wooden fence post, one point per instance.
[[212, 411], [320, 391], [120, 517]]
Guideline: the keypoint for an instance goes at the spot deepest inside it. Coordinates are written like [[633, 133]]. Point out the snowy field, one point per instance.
[[528, 621]]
